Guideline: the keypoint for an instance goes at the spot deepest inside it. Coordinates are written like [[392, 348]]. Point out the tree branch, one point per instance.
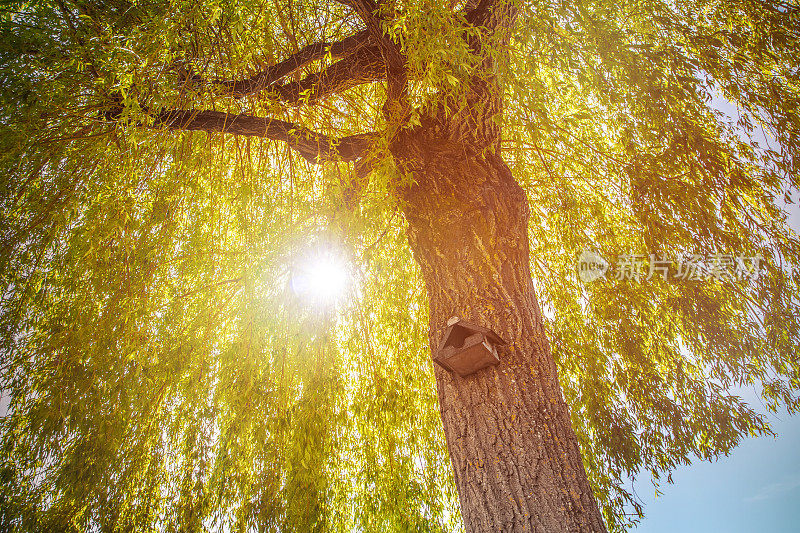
[[313, 146], [333, 79], [308, 54], [493, 15], [363, 66], [396, 107], [366, 10]]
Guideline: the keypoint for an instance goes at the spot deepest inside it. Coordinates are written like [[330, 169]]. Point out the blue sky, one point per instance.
[[756, 489]]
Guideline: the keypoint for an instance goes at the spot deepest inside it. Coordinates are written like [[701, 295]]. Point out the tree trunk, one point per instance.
[[514, 453]]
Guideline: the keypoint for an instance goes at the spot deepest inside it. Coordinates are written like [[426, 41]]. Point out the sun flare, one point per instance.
[[322, 278]]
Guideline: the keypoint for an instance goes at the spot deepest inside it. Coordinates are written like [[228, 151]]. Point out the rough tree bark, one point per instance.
[[514, 453]]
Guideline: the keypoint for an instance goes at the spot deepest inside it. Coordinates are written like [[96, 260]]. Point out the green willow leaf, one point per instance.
[[159, 371]]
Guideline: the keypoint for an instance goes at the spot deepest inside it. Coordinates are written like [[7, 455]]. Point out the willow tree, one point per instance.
[[169, 166]]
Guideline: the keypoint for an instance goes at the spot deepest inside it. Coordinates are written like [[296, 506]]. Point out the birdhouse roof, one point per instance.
[[491, 335]]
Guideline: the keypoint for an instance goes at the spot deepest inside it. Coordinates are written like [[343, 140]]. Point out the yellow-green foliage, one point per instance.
[[162, 375]]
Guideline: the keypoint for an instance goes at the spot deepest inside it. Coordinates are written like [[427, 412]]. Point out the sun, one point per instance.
[[321, 278]]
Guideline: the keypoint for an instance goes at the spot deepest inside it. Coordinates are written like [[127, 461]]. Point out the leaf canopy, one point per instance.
[[162, 375]]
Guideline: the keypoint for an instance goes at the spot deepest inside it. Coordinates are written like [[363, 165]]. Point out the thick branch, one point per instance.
[[396, 107], [361, 67], [473, 122], [334, 79], [308, 54], [494, 15], [367, 11], [313, 146]]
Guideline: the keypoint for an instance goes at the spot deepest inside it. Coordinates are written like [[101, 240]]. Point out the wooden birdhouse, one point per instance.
[[467, 348]]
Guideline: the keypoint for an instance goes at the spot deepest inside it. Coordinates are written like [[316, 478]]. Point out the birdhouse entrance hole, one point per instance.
[[457, 337]]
